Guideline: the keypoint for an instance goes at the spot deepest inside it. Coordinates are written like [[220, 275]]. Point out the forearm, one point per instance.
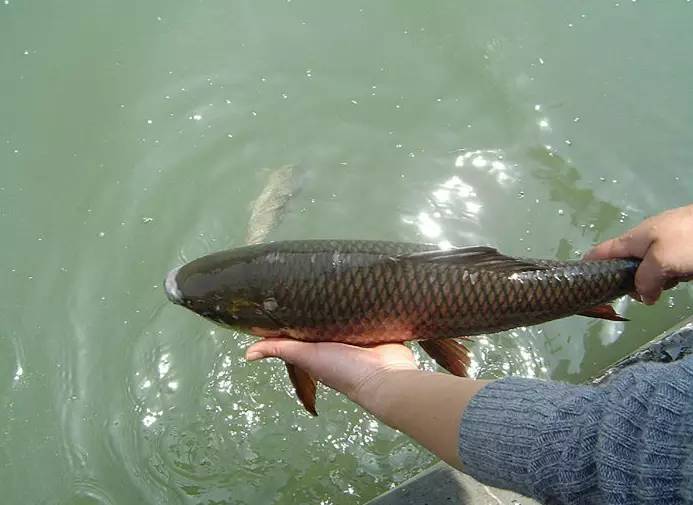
[[426, 406]]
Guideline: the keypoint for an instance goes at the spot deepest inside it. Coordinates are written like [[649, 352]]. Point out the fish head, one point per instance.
[[230, 288]]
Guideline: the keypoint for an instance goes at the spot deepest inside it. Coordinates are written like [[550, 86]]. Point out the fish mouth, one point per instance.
[[171, 287]]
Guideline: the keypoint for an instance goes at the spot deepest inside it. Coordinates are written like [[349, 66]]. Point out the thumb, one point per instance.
[[632, 244], [611, 248]]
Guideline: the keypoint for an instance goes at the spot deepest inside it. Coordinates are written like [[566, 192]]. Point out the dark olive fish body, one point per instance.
[[361, 292], [366, 292]]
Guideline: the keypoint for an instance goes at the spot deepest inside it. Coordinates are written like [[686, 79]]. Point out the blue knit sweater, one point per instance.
[[628, 441]]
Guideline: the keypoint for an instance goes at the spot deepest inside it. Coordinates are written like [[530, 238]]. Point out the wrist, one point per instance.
[[378, 393], [427, 406]]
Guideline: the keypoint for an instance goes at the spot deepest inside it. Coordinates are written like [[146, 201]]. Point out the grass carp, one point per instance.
[[369, 292], [269, 207]]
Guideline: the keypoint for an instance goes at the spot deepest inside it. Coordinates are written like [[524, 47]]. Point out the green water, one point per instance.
[[135, 135]]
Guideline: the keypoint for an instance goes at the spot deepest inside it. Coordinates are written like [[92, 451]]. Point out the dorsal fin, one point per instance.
[[479, 256]]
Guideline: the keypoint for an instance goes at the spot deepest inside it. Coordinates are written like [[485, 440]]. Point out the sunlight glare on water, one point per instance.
[[137, 135]]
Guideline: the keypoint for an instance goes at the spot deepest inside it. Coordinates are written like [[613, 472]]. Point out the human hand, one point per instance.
[[385, 381], [664, 243], [354, 371]]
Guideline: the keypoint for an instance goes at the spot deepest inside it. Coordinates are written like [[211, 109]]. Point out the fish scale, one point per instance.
[[489, 297]]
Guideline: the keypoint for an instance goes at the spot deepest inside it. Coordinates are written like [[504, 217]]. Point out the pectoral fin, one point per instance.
[[304, 384], [604, 311], [449, 354]]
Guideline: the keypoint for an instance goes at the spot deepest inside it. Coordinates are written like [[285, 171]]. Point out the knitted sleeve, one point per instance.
[[628, 441]]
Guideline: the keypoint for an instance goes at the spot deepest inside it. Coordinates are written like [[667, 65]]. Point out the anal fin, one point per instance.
[[449, 354], [304, 384], [604, 311]]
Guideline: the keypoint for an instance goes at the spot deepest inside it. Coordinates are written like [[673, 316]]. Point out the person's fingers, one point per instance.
[[651, 277], [631, 244], [343, 367], [672, 283], [292, 351]]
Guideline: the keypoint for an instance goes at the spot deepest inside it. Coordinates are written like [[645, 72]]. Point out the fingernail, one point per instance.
[[253, 355]]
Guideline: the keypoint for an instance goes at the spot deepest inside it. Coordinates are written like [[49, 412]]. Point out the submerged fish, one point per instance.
[[368, 292], [268, 208]]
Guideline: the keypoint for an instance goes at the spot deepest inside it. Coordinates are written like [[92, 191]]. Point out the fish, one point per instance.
[[268, 208], [365, 292]]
